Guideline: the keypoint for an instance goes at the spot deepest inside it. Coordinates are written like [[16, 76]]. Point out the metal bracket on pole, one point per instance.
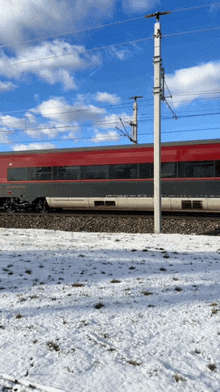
[[158, 94], [134, 124]]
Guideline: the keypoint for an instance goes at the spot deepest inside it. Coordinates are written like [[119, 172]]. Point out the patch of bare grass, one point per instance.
[[53, 346], [146, 293], [34, 296], [212, 367], [19, 316], [178, 378], [99, 305], [134, 363], [78, 285], [215, 311], [178, 289]]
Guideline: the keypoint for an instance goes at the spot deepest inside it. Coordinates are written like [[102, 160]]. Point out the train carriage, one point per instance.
[[112, 178]]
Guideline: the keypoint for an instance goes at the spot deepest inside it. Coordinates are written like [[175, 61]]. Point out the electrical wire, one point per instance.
[[121, 105], [73, 32], [109, 137], [104, 122], [191, 32], [196, 7], [125, 105], [195, 93], [59, 140], [181, 131], [112, 46]]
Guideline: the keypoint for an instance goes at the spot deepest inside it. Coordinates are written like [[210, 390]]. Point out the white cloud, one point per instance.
[[22, 17], [51, 61], [4, 132], [100, 137], [113, 120], [12, 122], [57, 109], [30, 118], [56, 118], [33, 146], [119, 54], [139, 5], [7, 86], [106, 97], [53, 129], [195, 82], [62, 118], [70, 135]]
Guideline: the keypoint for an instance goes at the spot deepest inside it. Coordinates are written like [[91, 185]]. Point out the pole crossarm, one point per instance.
[[136, 97], [157, 15]]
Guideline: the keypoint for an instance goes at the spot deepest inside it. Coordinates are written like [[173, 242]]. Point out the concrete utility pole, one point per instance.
[[157, 120], [135, 122]]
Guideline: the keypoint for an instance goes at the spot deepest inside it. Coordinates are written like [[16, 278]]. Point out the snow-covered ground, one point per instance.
[[145, 317]]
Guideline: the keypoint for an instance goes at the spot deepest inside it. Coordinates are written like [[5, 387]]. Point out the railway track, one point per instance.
[[98, 221], [117, 214]]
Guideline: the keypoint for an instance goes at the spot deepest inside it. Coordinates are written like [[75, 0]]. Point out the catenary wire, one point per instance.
[[191, 32], [106, 123], [73, 32], [112, 46], [95, 138], [126, 104], [196, 7], [143, 120]]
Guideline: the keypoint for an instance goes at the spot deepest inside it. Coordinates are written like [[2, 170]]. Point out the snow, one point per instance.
[[156, 326]]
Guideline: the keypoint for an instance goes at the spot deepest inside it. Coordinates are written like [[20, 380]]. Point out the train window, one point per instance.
[[181, 167], [124, 171], [199, 169], [17, 174], [146, 170], [95, 172], [39, 173], [66, 173], [168, 169], [217, 168]]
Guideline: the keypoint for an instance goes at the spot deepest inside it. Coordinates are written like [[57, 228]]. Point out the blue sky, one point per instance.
[[65, 83]]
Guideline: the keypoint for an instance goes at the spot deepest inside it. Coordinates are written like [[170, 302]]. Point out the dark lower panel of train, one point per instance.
[[187, 188]]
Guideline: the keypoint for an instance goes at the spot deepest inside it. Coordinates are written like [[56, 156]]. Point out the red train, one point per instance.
[[112, 178]]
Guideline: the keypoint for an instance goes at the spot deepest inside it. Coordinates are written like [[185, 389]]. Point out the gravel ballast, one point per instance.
[[110, 224]]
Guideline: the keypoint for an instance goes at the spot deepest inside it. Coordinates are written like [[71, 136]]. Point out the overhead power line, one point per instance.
[[191, 32], [98, 122], [196, 7], [195, 93], [59, 140], [106, 124], [112, 46], [73, 32], [118, 105], [109, 137]]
